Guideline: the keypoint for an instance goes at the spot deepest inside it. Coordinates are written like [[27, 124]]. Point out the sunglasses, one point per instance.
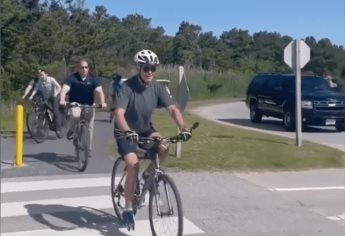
[[148, 68], [84, 67]]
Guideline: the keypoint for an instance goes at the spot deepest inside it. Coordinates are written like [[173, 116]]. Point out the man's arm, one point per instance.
[[64, 91], [101, 96], [176, 114], [56, 85], [28, 88], [120, 120], [35, 90]]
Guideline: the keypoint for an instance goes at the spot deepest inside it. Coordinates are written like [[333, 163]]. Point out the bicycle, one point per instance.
[[40, 119], [81, 137], [165, 205]]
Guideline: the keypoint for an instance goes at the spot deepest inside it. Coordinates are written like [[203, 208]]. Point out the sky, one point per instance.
[[295, 18]]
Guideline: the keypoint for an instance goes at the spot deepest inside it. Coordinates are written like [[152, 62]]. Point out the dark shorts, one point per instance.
[[124, 146]]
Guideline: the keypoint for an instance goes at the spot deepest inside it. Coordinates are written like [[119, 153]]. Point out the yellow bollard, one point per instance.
[[19, 136]]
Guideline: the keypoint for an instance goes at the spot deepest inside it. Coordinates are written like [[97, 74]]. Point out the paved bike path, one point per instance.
[[66, 205], [55, 156]]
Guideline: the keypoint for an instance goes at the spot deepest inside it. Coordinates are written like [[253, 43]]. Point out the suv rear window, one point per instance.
[[309, 83]]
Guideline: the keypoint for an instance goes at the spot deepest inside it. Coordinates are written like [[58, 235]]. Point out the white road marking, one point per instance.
[[307, 189], [70, 204], [142, 228], [337, 218], [50, 232], [54, 184], [55, 205]]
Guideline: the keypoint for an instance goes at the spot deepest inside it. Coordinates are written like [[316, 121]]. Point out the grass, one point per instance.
[[220, 147]]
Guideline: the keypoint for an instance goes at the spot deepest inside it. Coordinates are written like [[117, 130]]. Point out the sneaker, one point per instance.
[[128, 219], [69, 135]]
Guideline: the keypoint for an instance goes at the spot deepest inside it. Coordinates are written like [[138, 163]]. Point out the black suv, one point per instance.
[[274, 95]]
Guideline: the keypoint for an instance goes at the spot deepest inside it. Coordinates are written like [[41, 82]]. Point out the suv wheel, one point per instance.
[[289, 121], [255, 114], [340, 126]]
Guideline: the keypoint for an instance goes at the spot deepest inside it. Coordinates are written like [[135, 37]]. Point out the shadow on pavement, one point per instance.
[[64, 162], [76, 218]]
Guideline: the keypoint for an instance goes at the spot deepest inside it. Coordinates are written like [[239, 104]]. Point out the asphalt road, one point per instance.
[[49, 197], [237, 114]]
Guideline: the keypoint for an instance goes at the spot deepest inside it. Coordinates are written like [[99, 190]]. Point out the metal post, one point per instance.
[[19, 135], [298, 96]]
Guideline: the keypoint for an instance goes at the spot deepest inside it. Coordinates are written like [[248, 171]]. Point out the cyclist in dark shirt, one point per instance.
[[82, 87], [135, 103]]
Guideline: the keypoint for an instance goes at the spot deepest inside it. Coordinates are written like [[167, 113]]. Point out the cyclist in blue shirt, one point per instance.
[[82, 87]]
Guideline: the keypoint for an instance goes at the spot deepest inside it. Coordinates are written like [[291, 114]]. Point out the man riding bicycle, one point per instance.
[[49, 89], [134, 105], [82, 87]]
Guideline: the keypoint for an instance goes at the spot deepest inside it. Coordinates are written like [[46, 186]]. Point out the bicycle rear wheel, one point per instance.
[[37, 126], [165, 208], [82, 147], [118, 179]]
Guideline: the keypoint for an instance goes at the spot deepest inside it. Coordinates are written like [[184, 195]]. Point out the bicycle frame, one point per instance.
[[150, 181]]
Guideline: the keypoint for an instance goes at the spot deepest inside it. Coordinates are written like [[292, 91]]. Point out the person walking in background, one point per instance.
[[82, 87]]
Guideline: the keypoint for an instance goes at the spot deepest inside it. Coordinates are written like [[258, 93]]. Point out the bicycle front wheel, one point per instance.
[[165, 208], [118, 179], [82, 148], [37, 126]]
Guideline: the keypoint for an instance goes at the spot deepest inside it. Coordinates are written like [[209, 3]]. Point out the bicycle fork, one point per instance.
[[159, 201]]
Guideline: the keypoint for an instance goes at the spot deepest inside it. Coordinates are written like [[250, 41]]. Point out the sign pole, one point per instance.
[[298, 95], [297, 55], [178, 150], [182, 99]]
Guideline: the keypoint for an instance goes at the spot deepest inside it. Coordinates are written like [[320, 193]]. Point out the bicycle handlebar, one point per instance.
[[167, 139], [75, 104]]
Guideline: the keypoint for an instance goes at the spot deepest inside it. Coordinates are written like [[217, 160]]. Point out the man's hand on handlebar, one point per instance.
[[103, 105], [132, 136], [185, 135]]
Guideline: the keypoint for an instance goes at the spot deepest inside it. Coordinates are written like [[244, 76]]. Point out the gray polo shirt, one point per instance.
[[140, 102]]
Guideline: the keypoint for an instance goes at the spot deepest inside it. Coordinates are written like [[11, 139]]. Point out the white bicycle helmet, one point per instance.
[[146, 57]]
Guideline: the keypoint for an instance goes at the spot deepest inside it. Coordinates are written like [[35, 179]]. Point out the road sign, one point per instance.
[[297, 55], [290, 53]]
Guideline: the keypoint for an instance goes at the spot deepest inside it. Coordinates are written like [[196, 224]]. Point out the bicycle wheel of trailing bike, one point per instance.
[[82, 147], [165, 208], [118, 179], [37, 126]]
